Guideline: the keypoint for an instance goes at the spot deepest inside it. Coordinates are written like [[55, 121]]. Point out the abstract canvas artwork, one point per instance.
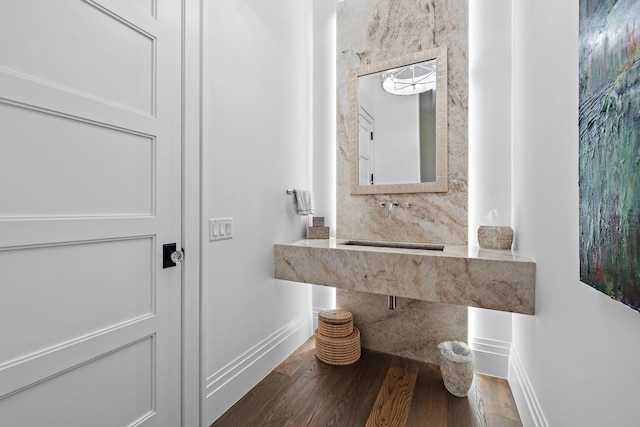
[[609, 121]]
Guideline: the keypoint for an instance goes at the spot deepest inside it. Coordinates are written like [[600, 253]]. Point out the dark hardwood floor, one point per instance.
[[378, 390]]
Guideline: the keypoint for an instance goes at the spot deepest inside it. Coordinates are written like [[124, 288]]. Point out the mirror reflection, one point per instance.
[[397, 125]]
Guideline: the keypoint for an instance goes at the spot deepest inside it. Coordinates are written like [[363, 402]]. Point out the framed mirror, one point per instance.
[[398, 125]]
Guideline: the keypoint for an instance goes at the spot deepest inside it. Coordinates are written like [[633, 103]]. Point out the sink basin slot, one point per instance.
[[395, 245]]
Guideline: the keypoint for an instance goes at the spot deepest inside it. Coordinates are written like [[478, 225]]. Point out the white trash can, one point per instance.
[[456, 366]]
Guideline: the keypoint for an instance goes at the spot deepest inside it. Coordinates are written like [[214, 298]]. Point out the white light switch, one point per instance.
[[220, 228]]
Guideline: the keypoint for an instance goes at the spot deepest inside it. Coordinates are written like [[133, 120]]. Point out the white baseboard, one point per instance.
[[524, 394], [490, 357], [226, 386]]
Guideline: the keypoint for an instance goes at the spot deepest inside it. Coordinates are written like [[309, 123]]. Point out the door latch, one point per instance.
[[170, 255]]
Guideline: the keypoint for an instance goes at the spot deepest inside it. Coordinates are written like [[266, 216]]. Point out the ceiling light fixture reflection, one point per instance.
[[410, 80]]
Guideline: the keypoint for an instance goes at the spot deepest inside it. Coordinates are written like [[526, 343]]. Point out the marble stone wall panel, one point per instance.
[[413, 330], [370, 31]]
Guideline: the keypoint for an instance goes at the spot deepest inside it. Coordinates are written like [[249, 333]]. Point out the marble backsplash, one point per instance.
[[413, 330], [370, 31]]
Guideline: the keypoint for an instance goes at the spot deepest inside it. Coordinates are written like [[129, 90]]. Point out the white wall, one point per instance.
[[257, 133], [489, 160], [580, 352]]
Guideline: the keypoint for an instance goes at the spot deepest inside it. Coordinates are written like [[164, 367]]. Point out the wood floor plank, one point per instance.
[[292, 364], [497, 397], [313, 397], [496, 421], [429, 406], [358, 399], [466, 411], [329, 396], [256, 401], [393, 402]]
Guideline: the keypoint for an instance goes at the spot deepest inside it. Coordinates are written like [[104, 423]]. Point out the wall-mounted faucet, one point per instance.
[[392, 205]]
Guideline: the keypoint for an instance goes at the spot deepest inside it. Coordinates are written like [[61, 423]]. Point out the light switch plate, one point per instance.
[[220, 228]]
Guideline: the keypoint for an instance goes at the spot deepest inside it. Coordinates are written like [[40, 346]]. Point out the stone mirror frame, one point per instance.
[[440, 184]]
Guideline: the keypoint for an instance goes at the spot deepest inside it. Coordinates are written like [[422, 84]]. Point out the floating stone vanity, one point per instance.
[[451, 274]]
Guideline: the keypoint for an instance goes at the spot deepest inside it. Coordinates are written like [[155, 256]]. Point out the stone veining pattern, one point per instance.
[[370, 31], [488, 280], [376, 30], [414, 329]]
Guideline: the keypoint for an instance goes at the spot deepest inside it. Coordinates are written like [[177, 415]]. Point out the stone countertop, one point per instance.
[[459, 274]]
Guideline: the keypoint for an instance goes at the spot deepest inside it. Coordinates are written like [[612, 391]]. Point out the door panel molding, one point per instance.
[[77, 56], [20, 233], [44, 313], [117, 168], [132, 385], [44, 365], [27, 92]]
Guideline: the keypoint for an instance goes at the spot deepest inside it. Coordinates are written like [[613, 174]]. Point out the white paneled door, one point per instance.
[[90, 190]]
